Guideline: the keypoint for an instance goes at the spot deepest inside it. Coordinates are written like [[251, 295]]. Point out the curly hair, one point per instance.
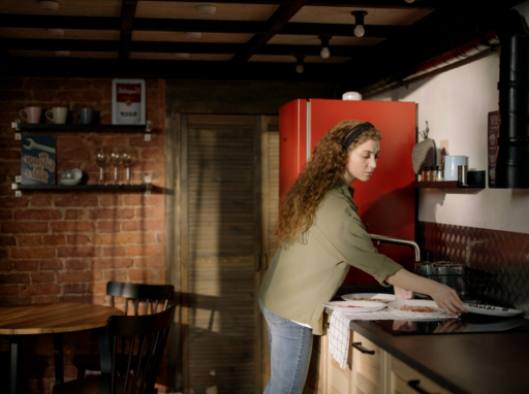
[[324, 171]]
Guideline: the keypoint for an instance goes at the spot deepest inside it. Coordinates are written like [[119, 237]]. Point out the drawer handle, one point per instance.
[[358, 346], [416, 385]]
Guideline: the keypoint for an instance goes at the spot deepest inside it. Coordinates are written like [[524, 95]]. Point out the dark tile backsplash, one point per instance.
[[497, 262]]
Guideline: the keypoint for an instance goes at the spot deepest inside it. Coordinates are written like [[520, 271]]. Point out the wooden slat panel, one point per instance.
[[222, 244]]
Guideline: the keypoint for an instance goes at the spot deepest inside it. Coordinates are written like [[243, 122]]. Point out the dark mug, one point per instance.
[[86, 115]]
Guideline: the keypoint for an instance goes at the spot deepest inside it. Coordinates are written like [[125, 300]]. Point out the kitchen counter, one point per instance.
[[465, 363]]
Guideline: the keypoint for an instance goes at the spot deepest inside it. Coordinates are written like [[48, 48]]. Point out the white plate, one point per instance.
[[356, 306], [381, 297], [426, 309], [491, 310]]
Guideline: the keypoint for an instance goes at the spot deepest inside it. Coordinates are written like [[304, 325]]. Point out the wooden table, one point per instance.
[[16, 322]]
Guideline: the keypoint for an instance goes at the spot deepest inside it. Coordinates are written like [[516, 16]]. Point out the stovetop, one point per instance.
[[467, 324]]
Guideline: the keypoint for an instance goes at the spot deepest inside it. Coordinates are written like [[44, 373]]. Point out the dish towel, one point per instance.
[[339, 336]]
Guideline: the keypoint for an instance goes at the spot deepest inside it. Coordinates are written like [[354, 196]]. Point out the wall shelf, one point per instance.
[[452, 185], [134, 188], [20, 127]]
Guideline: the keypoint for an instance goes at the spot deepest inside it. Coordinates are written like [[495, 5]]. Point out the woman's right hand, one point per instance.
[[446, 298]]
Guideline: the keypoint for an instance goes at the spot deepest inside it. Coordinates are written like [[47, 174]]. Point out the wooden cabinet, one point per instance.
[[369, 366], [339, 380], [405, 380], [370, 370]]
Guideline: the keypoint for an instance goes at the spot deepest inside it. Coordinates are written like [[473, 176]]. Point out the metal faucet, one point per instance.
[[383, 238]]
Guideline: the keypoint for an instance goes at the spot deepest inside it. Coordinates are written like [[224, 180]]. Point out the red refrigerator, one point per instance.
[[386, 202]]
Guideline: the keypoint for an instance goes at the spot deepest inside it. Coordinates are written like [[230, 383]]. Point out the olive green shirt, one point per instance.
[[306, 273]]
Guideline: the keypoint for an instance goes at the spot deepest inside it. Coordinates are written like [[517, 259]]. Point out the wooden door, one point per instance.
[[218, 208]]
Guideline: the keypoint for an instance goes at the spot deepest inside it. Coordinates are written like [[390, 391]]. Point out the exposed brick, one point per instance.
[[38, 214], [55, 239], [72, 226], [42, 277], [11, 202], [107, 226], [143, 225], [76, 264], [45, 299], [75, 276], [117, 275], [29, 240], [6, 240], [41, 201], [14, 278], [47, 289], [114, 251], [124, 238], [77, 251], [76, 214], [76, 288], [32, 253], [151, 213], [50, 265], [6, 214], [76, 200], [28, 227], [79, 239], [5, 265], [26, 265], [144, 250], [116, 214], [102, 263]]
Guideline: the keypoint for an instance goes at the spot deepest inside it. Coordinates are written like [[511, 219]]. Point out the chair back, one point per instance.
[[136, 346], [139, 298]]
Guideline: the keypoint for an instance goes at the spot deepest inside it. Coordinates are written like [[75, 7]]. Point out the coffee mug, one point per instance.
[[86, 116], [57, 115], [31, 114]]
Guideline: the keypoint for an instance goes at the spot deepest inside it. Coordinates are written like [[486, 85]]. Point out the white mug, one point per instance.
[[451, 164], [31, 114], [57, 115]]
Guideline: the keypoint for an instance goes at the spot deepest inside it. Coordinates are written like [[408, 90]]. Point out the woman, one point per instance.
[[321, 236]]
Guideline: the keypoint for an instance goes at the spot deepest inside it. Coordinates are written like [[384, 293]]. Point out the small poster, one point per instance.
[[38, 159], [493, 127], [128, 101]]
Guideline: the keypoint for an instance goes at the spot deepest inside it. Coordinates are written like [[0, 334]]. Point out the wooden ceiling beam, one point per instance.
[[274, 24], [128, 13], [172, 47], [71, 67], [183, 25], [329, 3]]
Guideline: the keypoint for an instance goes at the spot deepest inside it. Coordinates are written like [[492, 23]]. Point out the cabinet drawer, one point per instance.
[[368, 366], [406, 380]]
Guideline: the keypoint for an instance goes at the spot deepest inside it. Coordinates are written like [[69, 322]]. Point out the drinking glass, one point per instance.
[[101, 162], [115, 159], [128, 158]]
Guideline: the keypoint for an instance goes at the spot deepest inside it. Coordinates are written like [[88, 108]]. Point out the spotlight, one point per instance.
[[325, 52], [300, 67], [359, 29]]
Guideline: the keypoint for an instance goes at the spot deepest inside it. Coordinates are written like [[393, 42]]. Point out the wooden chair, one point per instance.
[[135, 299], [131, 360]]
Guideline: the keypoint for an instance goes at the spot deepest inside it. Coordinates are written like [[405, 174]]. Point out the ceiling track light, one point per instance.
[[359, 29], [325, 52]]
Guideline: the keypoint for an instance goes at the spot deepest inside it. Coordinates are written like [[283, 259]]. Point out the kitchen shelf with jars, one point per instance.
[[39, 156]]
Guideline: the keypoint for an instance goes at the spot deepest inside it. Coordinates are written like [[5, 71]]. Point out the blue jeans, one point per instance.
[[290, 350]]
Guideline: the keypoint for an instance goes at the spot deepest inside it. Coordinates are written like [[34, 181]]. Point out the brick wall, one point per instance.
[[66, 246]]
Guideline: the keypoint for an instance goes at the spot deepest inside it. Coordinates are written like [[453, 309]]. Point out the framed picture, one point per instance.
[[128, 101], [38, 159], [493, 127]]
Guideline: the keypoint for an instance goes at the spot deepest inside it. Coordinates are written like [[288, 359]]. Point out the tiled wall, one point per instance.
[[497, 261]]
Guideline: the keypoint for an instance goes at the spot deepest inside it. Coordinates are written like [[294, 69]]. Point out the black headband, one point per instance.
[[355, 132]]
